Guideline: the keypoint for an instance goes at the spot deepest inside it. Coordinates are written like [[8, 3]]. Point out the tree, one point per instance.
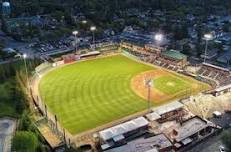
[[226, 139], [226, 27], [25, 141], [186, 49]]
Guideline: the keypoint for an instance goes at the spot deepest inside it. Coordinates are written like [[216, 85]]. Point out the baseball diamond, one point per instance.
[[94, 92]]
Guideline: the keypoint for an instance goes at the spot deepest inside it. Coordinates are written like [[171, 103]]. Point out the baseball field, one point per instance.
[[91, 93]]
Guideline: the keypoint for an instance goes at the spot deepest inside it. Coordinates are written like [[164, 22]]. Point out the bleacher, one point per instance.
[[154, 59], [219, 74]]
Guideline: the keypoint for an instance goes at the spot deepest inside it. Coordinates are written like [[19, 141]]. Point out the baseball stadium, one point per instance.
[[95, 91]]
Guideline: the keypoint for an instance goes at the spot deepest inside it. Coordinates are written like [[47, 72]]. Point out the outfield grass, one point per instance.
[[91, 93]]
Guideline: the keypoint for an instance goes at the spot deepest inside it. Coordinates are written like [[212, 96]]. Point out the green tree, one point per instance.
[[226, 139], [25, 141], [226, 27], [186, 49]]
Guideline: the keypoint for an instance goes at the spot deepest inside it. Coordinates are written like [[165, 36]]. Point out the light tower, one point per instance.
[[75, 33], [6, 9], [93, 28], [207, 37], [149, 84], [158, 39]]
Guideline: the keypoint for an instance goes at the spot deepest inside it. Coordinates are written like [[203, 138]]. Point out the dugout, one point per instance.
[[90, 54], [175, 57]]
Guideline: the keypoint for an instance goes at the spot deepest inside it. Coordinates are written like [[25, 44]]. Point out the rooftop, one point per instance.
[[174, 54], [168, 107], [151, 144], [117, 131], [189, 128], [215, 67], [223, 88]]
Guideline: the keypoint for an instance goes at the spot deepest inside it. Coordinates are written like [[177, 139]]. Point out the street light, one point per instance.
[[207, 38], [149, 85], [75, 33], [93, 28]]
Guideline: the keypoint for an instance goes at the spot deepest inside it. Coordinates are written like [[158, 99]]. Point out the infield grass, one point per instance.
[[171, 84]]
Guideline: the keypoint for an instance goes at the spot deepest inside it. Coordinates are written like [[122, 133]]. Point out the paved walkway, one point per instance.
[[7, 129]]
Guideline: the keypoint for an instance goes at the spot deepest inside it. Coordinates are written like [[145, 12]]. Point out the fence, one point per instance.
[[51, 119]]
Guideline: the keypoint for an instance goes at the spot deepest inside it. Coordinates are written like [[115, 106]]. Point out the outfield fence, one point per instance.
[[51, 120]]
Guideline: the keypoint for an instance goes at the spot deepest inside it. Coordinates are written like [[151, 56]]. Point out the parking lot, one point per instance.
[[51, 46]]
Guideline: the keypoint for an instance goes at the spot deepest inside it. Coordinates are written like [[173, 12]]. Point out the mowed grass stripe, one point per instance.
[[88, 94]]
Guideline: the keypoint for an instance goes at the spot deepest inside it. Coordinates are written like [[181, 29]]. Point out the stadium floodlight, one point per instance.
[[84, 21], [93, 28], [207, 37], [149, 85], [75, 33], [159, 37], [24, 56]]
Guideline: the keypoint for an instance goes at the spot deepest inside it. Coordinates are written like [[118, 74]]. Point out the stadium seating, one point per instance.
[[221, 75]]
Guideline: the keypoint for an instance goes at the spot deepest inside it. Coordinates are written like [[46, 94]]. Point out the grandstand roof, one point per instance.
[[168, 107], [222, 88], [153, 116], [137, 43], [174, 54], [118, 131], [216, 67]]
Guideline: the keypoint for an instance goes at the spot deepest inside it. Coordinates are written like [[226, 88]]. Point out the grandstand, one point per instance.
[[43, 67], [220, 75], [174, 57], [169, 59], [107, 47]]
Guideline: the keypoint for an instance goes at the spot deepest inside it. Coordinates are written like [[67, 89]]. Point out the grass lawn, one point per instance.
[[171, 84], [91, 93], [7, 106]]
